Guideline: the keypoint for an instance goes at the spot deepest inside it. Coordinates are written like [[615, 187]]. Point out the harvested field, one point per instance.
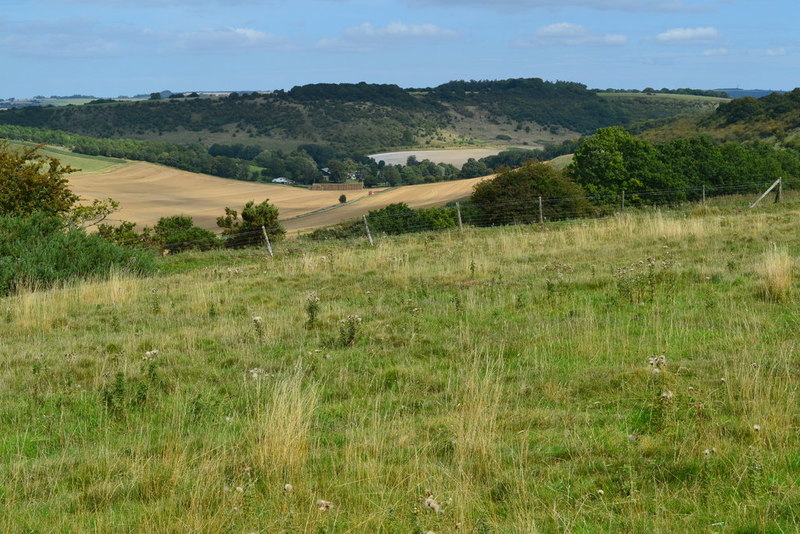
[[416, 196], [457, 157], [147, 192]]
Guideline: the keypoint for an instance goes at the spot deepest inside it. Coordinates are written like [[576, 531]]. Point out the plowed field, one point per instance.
[[147, 192]]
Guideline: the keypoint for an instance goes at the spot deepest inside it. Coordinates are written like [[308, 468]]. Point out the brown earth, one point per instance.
[[147, 192], [416, 196]]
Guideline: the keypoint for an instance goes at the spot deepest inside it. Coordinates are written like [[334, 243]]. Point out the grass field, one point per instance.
[[84, 164], [632, 374]]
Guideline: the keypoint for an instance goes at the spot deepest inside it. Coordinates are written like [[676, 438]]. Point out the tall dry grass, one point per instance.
[[775, 269]]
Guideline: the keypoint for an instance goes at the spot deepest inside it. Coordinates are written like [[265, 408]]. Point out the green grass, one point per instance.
[[507, 369], [86, 164]]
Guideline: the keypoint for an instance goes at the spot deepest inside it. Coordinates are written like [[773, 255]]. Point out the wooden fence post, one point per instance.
[[266, 240], [541, 212], [369, 234], [458, 214]]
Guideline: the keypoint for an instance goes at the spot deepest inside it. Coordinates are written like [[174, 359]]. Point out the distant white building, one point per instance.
[[281, 180]]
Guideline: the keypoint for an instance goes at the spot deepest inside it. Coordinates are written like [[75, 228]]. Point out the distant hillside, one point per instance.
[[773, 118], [365, 117], [757, 93]]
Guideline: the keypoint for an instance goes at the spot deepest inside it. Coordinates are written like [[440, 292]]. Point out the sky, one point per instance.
[[109, 48]]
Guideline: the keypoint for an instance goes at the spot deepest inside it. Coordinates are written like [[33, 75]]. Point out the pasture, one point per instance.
[[631, 374]]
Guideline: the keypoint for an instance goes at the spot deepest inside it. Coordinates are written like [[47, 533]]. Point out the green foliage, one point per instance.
[[40, 251], [33, 183], [246, 229], [613, 161], [178, 233], [400, 219], [473, 169], [513, 197]]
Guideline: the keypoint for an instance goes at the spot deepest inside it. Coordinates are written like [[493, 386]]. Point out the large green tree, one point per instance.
[[513, 196], [612, 161], [31, 182]]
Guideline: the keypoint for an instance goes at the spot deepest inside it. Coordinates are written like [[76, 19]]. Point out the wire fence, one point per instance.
[[457, 216]]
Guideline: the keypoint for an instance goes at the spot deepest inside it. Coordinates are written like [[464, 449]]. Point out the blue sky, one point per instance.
[[121, 47]]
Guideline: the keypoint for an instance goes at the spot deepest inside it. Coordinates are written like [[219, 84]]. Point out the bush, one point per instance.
[[40, 251], [513, 196], [246, 230], [178, 233], [400, 219]]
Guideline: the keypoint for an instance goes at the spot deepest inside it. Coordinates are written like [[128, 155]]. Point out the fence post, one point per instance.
[[767, 192], [704, 194], [623, 200], [779, 194], [541, 212], [266, 240], [369, 235], [458, 214]]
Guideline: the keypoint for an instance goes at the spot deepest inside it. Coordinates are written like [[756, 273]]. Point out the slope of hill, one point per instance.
[[362, 117], [632, 374], [774, 118]]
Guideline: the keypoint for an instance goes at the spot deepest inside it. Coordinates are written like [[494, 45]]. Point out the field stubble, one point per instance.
[[626, 374]]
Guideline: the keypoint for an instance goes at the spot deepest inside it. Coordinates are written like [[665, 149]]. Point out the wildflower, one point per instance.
[[431, 503], [757, 428], [722, 380], [706, 452], [632, 437], [288, 487], [257, 320], [239, 489], [667, 395], [601, 492], [657, 362], [324, 505], [150, 355], [256, 373]]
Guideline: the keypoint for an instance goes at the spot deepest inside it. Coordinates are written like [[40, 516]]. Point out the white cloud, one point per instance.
[[600, 5], [398, 29], [367, 36], [568, 34], [688, 35], [227, 39], [716, 52], [776, 52]]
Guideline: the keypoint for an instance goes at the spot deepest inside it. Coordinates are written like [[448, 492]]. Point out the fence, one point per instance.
[[531, 211]]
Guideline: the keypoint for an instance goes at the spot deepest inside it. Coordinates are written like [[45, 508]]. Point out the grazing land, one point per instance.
[[631, 374]]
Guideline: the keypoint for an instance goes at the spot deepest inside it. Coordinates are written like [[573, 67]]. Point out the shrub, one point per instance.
[[513, 196], [245, 229], [178, 233], [40, 251], [400, 219]]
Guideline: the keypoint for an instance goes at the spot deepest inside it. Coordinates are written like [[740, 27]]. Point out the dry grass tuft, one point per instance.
[[283, 428], [776, 274]]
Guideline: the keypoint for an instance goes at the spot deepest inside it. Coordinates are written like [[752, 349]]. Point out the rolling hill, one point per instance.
[[366, 117]]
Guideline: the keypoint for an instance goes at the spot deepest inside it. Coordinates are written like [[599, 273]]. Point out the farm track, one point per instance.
[[147, 192]]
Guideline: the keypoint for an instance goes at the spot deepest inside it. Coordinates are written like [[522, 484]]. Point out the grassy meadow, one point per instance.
[[632, 374], [83, 163]]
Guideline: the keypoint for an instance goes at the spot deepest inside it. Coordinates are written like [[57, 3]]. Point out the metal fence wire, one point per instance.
[[521, 212]]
